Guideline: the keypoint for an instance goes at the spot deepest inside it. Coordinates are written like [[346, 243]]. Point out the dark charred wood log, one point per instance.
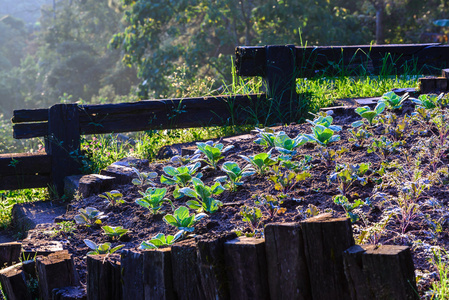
[[325, 240], [104, 277], [288, 276], [14, 283], [55, 271], [247, 268], [157, 274]]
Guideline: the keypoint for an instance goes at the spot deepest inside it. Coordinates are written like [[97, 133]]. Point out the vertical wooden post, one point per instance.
[[104, 277], [325, 240], [132, 275], [247, 268], [158, 274], [14, 284], [280, 80], [380, 272], [64, 140], [288, 276]]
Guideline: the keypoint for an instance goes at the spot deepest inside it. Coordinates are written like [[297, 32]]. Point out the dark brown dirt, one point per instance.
[[315, 190]]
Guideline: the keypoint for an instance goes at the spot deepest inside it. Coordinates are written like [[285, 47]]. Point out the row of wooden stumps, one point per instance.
[[314, 259]]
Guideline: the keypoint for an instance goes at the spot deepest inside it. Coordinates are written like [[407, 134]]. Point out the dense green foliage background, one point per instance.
[[73, 49]]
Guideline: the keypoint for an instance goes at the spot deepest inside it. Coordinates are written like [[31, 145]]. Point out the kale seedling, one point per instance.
[[324, 120], [322, 135], [143, 178], [280, 141], [182, 220], [179, 160], [89, 216], [153, 199], [234, 174], [261, 162], [180, 176], [99, 249], [203, 194], [160, 240], [394, 101], [251, 215], [384, 147], [367, 114], [348, 206], [428, 101], [113, 197], [270, 203], [345, 175], [213, 152], [285, 180], [114, 232], [359, 136]]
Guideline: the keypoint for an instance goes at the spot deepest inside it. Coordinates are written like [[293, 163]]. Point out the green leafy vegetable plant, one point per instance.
[[394, 101], [261, 162], [369, 115], [251, 215], [270, 203], [182, 219], [113, 197], [384, 147], [324, 120], [89, 216], [428, 101], [359, 136], [114, 232], [348, 206], [285, 180], [280, 141], [213, 152], [105, 248], [179, 160], [143, 178], [296, 166], [153, 198], [203, 194], [345, 175], [322, 135], [160, 240], [180, 176], [234, 174]]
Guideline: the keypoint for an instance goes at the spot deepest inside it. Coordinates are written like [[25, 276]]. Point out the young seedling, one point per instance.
[[428, 101], [270, 203], [251, 215], [296, 166], [179, 160], [161, 240], [203, 195], [384, 147], [180, 176], [234, 174], [261, 162], [359, 136], [143, 178], [322, 135], [182, 219], [369, 115], [114, 232], [285, 180], [394, 101], [99, 249], [345, 176], [348, 206], [324, 120], [89, 216], [153, 199], [113, 197], [280, 141], [213, 152]]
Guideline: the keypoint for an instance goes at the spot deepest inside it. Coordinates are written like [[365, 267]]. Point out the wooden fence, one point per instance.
[[314, 259], [62, 124]]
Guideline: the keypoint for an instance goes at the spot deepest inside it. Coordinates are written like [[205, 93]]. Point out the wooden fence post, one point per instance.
[[247, 268], [288, 276], [325, 240], [158, 274], [280, 79], [132, 275], [63, 141], [380, 272], [104, 277]]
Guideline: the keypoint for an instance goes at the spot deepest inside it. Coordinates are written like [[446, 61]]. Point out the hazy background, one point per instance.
[[107, 51]]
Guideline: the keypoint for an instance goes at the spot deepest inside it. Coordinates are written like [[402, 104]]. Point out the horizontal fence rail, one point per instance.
[[329, 60], [143, 115]]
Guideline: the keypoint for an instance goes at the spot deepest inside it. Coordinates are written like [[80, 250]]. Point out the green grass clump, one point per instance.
[[9, 198], [440, 289]]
